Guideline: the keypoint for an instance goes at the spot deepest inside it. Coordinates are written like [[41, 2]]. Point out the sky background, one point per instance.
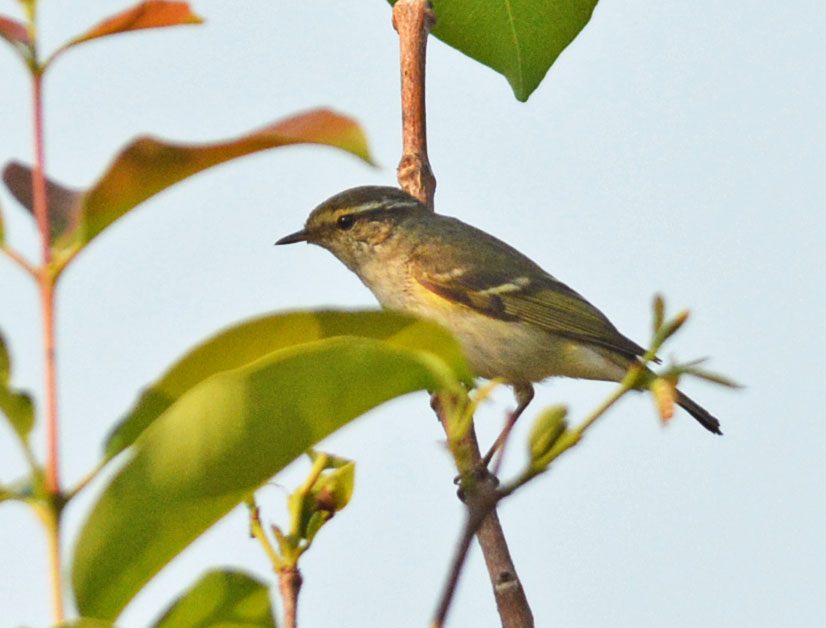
[[675, 147]]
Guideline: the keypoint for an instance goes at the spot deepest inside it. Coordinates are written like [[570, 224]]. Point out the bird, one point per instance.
[[514, 320]]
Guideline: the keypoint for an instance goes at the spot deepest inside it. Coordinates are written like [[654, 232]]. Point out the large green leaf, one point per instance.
[[518, 38], [253, 339], [225, 598], [149, 165], [223, 439], [15, 405]]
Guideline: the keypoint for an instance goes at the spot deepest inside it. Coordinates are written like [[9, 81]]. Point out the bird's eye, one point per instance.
[[346, 221]]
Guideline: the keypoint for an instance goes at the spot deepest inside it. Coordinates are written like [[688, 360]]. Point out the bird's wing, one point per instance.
[[533, 297]]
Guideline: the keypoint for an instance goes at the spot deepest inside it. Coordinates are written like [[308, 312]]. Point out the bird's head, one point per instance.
[[353, 223]]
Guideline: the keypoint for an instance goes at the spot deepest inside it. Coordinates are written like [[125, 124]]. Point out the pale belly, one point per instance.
[[497, 348]]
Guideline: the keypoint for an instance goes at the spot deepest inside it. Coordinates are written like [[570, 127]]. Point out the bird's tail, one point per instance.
[[702, 415]]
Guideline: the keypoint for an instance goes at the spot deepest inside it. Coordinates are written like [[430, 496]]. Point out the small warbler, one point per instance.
[[514, 320]]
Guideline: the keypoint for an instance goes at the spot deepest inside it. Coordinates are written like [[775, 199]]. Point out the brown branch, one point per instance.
[[413, 19], [289, 582], [511, 601]]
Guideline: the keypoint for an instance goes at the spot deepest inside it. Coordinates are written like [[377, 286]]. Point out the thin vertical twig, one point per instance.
[[413, 19], [46, 290], [47, 300]]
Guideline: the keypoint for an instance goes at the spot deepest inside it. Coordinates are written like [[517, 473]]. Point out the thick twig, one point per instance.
[[413, 20], [482, 504], [511, 601], [289, 581]]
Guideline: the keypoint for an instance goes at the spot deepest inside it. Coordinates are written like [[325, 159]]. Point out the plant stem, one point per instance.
[[413, 20], [289, 582], [47, 299], [482, 520], [46, 290], [572, 438], [257, 530], [50, 515], [21, 261], [459, 555], [87, 479]]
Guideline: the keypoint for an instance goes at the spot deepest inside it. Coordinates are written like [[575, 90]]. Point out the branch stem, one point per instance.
[[289, 583], [257, 530], [47, 299], [21, 261], [472, 523], [413, 20], [481, 497]]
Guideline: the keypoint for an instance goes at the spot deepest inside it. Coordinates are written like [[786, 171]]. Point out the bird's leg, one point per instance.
[[524, 396]]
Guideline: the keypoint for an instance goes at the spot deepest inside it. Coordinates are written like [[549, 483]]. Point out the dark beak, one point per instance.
[[298, 236]]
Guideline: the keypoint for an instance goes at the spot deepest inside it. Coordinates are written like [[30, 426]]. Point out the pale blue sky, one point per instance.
[[675, 147]]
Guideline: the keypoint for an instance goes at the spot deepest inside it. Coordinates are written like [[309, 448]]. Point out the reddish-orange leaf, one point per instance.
[[147, 14], [13, 31], [150, 165], [63, 203]]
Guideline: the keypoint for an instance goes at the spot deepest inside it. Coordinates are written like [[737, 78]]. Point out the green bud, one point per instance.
[[659, 312], [546, 430]]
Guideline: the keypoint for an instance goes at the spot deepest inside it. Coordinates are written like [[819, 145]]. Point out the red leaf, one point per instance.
[[63, 203], [147, 14], [149, 165], [14, 32]]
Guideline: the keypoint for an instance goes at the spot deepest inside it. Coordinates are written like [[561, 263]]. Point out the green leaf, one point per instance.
[[659, 312], [150, 165], [225, 598], [253, 339], [334, 489], [545, 433], [710, 376], [330, 493], [222, 440], [520, 39], [668, 329], [17, 406]]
